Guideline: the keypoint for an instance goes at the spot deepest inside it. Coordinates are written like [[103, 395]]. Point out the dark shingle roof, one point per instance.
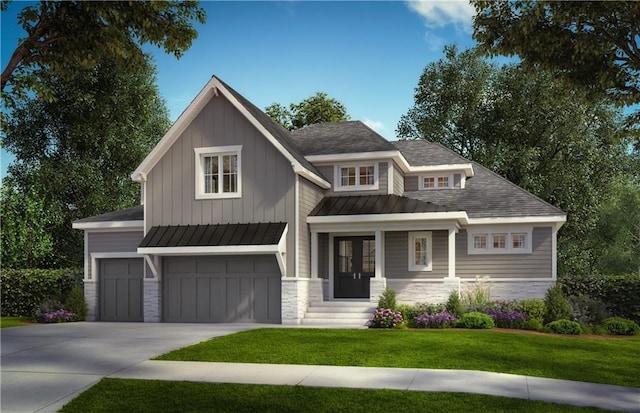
[[278, 131], [339, 137], [214, 235], [135, 213], [425, 153], [486, 194], [373, 204]]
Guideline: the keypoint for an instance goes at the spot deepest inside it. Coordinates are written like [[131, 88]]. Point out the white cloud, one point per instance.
[[435, 43], [443, 13], [373, 124]]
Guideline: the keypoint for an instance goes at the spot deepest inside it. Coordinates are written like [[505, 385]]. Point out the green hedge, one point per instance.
[[618, 292], [24, 290]]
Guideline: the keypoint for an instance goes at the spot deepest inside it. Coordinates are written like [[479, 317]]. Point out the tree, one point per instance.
[[74, 155], [316, 109], [595, 44], [533, 128], [65, 38]]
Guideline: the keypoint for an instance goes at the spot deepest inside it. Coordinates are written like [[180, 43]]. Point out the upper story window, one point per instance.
[[500, 240], [218, 172], [357, 177], [437, 181]]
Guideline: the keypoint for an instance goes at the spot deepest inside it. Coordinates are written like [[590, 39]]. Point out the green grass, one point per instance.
[[15, 321], [597, 360], [116, 395]]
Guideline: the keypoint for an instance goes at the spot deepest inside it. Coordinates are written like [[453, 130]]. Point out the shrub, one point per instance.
[[558, 307], [46, 307], [440, 320], [388, 299], [507, 319], [77, 304], [586, 310], [454, 305], [385, 318], [532, 324], [565, 327], [59, 316], [475, 320], [618, 326], [534, 309], [619, 292], [477, 296], [23, 290]]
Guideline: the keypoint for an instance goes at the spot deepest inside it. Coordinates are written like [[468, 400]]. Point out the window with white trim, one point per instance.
[[420, 251], [358, 177], [436, 181], [218, 172], [502, 240]]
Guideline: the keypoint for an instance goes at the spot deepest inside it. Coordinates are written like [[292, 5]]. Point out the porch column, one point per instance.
[[452, 253], [314, 254], [379, 254]]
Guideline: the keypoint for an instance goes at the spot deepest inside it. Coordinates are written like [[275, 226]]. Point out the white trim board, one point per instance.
[[95, 256], [109, 225]]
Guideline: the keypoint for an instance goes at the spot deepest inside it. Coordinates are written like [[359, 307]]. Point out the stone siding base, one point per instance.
[[297, 293], [376, 287], [152, 296], [438, 290], [91, 297]]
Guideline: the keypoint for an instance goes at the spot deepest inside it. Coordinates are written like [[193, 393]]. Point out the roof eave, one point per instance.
[[137, 224]]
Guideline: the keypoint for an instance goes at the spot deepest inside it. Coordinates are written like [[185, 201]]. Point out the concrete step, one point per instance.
[[334, 321], [332, 304]]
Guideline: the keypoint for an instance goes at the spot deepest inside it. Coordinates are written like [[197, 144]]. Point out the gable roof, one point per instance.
[[274, 132], [132, 218], [373, 204], [339, 138], [486, 194]]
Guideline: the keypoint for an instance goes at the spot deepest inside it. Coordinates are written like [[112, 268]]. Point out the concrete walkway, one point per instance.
[[497, 384]]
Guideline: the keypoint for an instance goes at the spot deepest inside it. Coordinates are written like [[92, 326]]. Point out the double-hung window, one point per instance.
[[218, 172], [420, 251], [356, 177]]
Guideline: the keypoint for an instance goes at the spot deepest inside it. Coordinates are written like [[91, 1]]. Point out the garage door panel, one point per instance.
[[227, 289], [121, 289]]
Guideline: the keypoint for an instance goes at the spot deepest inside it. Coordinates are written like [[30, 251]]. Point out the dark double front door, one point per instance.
[[355, 264]]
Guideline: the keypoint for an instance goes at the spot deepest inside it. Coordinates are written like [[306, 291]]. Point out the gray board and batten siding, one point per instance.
[[268, 181], [310, 195], [112, 242]]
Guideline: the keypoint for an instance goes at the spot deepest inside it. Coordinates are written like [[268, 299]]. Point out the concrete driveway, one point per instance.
[[44, 366]]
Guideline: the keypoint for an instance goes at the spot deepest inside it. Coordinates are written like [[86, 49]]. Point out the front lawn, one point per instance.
[[15, 321], [597, 360], [116, 395]]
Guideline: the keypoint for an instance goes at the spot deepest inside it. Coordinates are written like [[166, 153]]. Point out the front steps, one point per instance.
[[339, 313]]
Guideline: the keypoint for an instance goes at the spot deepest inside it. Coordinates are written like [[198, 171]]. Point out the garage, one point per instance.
[[121, 289], [221, 289]]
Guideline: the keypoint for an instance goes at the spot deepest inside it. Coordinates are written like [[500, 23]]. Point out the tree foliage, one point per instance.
[[74, 154], [316, 109], [533, 128], [595, 44], [65, 38]]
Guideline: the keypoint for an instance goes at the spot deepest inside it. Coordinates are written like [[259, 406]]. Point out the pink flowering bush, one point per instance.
[[385, 318], [58, 316]]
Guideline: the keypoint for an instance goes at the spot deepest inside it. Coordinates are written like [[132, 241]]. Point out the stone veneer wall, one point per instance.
[[91, 296], [152, 298], [434, 291], [297, 293]]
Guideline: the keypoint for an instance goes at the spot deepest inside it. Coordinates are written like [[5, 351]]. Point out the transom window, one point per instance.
[[218, 172], [420, 256], [356, 177], [501, 240]]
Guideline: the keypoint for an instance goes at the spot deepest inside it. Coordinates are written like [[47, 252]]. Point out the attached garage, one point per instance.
[[221, 289], [121, 289]]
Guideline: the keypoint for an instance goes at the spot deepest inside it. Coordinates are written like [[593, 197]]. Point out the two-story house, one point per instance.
[[244, 221]]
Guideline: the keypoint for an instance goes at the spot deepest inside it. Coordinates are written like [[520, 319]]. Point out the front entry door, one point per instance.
[[354, 265]]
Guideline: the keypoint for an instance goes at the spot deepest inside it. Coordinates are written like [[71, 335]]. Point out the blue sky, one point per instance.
[[366, 54]]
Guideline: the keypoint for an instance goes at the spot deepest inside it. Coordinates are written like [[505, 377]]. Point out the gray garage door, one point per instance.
[[121, 289], [221, 289]]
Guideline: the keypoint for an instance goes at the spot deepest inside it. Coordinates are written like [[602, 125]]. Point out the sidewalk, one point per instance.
[[497, 384]]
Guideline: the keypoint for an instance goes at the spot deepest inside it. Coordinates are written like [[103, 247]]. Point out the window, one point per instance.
[[499, 240], [420, 258], [356, 177], [218, 172], [480, 241], [518, 241], [436, 181]]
